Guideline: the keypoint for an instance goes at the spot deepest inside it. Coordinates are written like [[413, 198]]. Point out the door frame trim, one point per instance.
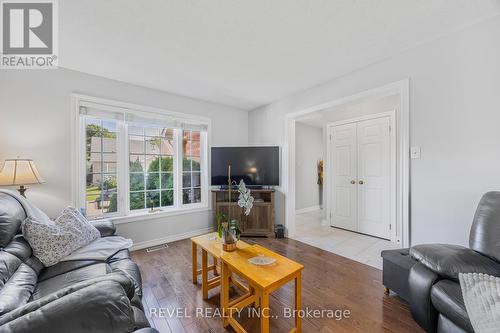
[[394, 221], [402, 88]]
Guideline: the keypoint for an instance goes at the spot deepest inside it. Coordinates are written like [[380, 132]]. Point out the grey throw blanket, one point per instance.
[[100, 249], [481, 293]]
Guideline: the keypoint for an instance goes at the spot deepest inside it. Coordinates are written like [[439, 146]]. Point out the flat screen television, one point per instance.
[[257, 166]]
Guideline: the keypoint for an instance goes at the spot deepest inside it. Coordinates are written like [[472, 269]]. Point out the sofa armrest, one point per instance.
[[420, 282], [99, 305], [450, 260], [105, 227]]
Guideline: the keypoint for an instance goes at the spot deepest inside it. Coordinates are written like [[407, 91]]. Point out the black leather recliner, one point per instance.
[[73, 296], [436, 300]]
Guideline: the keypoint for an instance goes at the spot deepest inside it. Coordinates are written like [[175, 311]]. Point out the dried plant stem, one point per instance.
[[229, 189]]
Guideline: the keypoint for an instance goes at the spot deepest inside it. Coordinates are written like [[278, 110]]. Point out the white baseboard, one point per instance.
[[168, 239], [307, 209]]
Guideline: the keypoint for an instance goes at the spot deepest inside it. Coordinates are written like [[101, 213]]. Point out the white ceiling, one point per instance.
[[246, 53]]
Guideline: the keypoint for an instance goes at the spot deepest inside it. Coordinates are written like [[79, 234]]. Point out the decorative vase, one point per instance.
[[230, 236], [229, 247]]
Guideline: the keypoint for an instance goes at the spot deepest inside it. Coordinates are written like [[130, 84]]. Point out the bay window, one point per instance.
[[134, 162]]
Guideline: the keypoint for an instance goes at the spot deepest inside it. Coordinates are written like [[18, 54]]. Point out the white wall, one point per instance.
[[353, 110], [455, 98], [309, 150], [35, 122]]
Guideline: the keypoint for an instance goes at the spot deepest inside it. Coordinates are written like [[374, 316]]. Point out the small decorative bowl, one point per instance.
[[262, 260]]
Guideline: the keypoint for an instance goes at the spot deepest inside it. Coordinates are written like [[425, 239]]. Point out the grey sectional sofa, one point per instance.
[[73, 296]]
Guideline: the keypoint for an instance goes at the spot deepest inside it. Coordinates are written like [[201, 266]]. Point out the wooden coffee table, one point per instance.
[[210, 244], [262, 281]]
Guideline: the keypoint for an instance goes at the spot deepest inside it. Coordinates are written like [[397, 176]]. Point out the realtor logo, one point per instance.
[[29, 39]]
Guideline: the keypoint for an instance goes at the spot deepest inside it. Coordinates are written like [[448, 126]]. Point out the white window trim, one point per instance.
[[124, 215]]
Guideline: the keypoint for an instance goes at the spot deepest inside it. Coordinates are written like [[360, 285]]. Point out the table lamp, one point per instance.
[[20, 172]]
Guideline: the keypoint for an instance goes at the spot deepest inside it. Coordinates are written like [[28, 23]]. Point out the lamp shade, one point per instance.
[[20, 172]]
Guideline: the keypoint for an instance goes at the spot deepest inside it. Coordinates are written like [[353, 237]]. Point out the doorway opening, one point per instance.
[[359, 205]]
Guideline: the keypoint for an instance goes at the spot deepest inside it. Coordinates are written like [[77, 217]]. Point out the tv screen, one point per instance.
[[257, 166]]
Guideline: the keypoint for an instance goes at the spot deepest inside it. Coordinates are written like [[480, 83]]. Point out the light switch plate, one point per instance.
[[415, 152]]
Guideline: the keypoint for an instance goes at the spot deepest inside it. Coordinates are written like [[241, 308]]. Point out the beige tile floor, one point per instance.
[[362, 248]]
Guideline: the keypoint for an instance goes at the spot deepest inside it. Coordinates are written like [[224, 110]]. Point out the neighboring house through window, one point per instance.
[[191, 174], [101, 189]]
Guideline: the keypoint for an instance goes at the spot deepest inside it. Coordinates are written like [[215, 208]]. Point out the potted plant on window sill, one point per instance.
[[229, 229]]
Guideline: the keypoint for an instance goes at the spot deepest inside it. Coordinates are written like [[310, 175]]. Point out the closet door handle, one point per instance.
[[361, 182], [353, 182]]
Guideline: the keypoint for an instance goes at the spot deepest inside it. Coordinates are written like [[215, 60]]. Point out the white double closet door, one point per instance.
[[360, 156]]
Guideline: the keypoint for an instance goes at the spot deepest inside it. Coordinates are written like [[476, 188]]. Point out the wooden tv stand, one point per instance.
[[260, 222]]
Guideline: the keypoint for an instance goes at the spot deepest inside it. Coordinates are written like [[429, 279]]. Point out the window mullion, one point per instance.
[[204, 167], [178, 168], [145, 171], [82, 164], [122, 169]]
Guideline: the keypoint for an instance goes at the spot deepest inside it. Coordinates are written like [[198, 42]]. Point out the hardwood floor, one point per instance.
[[329, 282]]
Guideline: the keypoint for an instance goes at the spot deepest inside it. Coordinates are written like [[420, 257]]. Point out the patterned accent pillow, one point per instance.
[[51, 241]]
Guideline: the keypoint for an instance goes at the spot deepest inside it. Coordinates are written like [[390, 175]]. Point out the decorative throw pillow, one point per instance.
[[53, 240]]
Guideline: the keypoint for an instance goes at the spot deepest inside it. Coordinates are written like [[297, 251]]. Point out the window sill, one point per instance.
[[144, 216]]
